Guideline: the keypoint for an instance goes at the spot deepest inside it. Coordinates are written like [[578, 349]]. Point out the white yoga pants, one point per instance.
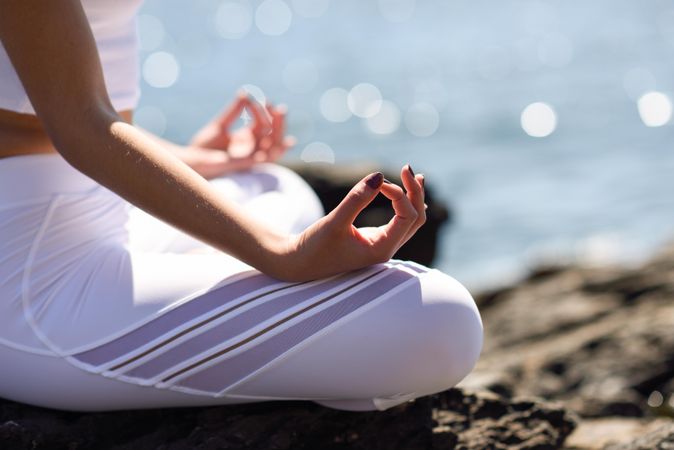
[[102, 307]]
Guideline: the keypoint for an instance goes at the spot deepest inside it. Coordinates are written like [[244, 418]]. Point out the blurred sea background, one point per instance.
[[545, 125]]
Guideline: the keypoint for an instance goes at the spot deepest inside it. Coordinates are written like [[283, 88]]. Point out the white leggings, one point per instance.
[[103, 307]]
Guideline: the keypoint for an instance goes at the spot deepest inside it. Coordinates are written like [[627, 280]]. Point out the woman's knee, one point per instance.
[[451, 326], [283, 190]]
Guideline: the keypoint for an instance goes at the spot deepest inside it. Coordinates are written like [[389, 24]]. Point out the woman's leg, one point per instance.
[[95, 324], [368, 339]]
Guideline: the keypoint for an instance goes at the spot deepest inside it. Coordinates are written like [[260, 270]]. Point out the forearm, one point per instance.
[[128, 162], [194, 158]]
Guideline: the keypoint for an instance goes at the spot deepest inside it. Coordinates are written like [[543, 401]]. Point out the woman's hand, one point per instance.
[[216, 150], [333, 244]]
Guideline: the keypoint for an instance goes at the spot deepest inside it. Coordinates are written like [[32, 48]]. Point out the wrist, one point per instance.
[[277, 261]]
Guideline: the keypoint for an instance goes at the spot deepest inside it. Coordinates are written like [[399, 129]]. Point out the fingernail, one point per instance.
[[387, 181], [423, 182], [411, 171], [375, 180]]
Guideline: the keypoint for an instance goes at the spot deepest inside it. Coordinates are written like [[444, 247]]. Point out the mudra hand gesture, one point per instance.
[[216, 150]]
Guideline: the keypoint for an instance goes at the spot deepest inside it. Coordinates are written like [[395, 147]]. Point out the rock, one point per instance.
[[468, 421], [595, 434], [450, 420], [600, 340], [660, 439], [332, 183]]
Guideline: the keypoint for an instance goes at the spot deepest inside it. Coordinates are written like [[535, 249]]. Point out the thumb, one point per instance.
[[358, 198]]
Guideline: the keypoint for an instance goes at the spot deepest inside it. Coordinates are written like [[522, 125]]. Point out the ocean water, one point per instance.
[[445, 85]]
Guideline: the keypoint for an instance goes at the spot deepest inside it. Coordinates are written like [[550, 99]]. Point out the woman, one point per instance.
[[257, 297]]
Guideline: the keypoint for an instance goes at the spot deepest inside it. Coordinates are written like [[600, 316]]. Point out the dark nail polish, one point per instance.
[[387, 181], [375, 180], [411, 171]]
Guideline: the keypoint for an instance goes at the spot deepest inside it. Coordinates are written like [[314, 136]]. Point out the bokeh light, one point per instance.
[[364, 100], [538, 119], [422, 119], [386, 121], [300, 76], [161, 70], [334, 105], [318, 152], [233, 19], [655, 109], [273, 17]]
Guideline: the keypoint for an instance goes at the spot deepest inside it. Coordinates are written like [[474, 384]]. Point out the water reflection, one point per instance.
[[318, 152], [161, 70], [538, 119], [364, 100], [334, 106], [273, 17], [422, 119], [655, 109]]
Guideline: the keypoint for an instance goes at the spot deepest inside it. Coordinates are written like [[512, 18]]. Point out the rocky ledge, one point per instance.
[[598, 340], [451, 420]]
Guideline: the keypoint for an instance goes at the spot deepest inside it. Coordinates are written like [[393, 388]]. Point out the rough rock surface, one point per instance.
[[660, 439], [600, 340], [450, 420]]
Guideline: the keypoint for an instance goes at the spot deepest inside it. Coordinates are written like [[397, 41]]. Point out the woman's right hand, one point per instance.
[[333, 244]]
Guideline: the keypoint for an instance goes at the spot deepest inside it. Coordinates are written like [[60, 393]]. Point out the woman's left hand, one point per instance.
[[216, 150]]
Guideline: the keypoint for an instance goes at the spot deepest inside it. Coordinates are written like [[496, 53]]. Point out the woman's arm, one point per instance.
[[53, 51]]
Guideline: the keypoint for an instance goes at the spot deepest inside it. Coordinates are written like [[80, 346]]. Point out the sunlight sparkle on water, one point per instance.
[[538, 119], [161, 70], [364, 100], [318, 152], [386, 121], [334, 105], [422, 119], [655, 109], [273, 17]]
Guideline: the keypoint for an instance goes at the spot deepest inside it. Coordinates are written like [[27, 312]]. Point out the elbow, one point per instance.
[[76, 136]]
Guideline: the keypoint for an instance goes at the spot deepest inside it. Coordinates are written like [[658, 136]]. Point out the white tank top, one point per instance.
[[113, 23]]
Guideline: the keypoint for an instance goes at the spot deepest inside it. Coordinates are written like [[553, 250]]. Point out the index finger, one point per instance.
[[262, 123], [396, 230], [233, 111]]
